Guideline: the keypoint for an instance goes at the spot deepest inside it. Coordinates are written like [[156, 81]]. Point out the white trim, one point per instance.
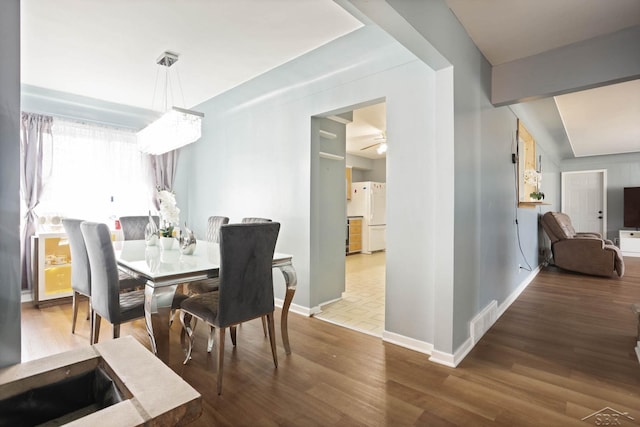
[[26, 296], [298, 309], [515, 294], [330, 156], [327, 134], [442, 358], [406, 342], [638, 351], [454, 359]]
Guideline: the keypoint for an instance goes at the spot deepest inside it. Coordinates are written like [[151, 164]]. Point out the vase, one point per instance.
[[187, 241], [167, 242], [151, 232]]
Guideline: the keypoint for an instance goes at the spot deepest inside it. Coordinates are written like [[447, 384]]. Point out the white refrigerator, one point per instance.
[[369, 200]]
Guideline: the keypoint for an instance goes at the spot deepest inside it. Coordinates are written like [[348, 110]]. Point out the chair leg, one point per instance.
[[233, 333], [95, 327], [220, 361], [272, 338], [212, 332], [74, 310], [116, 331], [264, 325], [185, 319]]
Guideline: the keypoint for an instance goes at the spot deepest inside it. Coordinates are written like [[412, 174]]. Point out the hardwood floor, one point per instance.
[[562, 351]]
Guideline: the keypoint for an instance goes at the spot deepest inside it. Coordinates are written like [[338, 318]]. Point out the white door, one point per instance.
[[584, 199]]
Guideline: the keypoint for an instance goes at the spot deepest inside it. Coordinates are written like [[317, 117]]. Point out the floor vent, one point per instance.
[[483, 321]]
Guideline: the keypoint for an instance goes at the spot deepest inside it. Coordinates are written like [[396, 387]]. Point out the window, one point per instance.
[[87, 166]]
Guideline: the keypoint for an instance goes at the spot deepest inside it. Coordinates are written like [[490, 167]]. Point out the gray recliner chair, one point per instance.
[[581, 252], [245, 290]]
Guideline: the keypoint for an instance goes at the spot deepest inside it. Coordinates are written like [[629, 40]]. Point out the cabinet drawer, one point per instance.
[[355, 246], [355, 228]]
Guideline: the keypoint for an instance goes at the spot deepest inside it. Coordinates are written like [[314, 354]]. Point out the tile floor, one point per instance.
[[362, 305]]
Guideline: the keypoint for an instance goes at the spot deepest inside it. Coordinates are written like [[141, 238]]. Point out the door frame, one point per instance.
[[563, 192]]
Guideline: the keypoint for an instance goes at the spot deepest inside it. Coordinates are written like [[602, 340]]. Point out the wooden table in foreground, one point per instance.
[[165, 269]]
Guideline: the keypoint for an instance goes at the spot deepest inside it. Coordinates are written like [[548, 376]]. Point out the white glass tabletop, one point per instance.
[[157, 264], [154, 262]]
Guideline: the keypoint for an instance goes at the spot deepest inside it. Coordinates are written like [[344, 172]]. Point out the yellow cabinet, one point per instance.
[[51, 267], [354, 233]]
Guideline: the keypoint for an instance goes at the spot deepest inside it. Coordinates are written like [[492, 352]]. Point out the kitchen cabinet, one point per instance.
[[354, 235], [51, 267]]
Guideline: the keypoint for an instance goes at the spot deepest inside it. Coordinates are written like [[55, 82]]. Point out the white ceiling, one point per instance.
[[108, 49], [604, 120], [367, 131]]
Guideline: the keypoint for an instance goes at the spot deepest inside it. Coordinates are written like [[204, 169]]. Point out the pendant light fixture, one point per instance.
[[177, 127]]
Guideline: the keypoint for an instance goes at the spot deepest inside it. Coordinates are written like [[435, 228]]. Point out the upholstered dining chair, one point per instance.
[[254, 220], [213, 235], [81, 273], [245, 291], [106, 299], [133, 226]]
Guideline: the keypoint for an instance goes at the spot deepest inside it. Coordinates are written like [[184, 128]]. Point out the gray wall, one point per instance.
[[486, 237], [10, 183], [256, 144], [328, 207], [364, 169]]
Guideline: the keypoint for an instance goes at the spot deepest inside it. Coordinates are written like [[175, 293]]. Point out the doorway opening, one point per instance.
[[362, 304]]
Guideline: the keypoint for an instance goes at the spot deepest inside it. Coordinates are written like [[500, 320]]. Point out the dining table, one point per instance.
[[165, 269]]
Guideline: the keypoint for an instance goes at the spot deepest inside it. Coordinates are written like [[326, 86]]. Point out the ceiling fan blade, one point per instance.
[[369, 146]]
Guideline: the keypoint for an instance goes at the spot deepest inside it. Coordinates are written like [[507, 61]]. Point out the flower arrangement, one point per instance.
[[533, 177], [538, 195], [169, 212]]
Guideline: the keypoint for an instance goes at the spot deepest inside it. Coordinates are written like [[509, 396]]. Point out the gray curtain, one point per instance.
[[34, 129], [163, 173]]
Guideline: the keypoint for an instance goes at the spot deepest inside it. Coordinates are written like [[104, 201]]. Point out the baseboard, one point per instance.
[[515, 294], [26, 297], [481, 323], [406, 342], [478, 326]]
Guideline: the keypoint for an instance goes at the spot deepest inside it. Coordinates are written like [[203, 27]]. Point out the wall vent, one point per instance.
[[481, 323]]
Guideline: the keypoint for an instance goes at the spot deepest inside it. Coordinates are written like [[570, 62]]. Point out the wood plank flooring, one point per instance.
[[562, 351]]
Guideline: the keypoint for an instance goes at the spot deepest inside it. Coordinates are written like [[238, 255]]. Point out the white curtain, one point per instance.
[[94, 172], [35, 138], [163, 172]]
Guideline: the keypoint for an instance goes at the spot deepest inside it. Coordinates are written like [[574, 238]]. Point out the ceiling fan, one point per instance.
[[382, 144]]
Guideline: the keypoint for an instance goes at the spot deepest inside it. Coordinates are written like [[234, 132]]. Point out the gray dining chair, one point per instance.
[[245, 291], [106, 299], [133, 226], [81, 273], [254, 220], [213, 235], [257, 220]]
